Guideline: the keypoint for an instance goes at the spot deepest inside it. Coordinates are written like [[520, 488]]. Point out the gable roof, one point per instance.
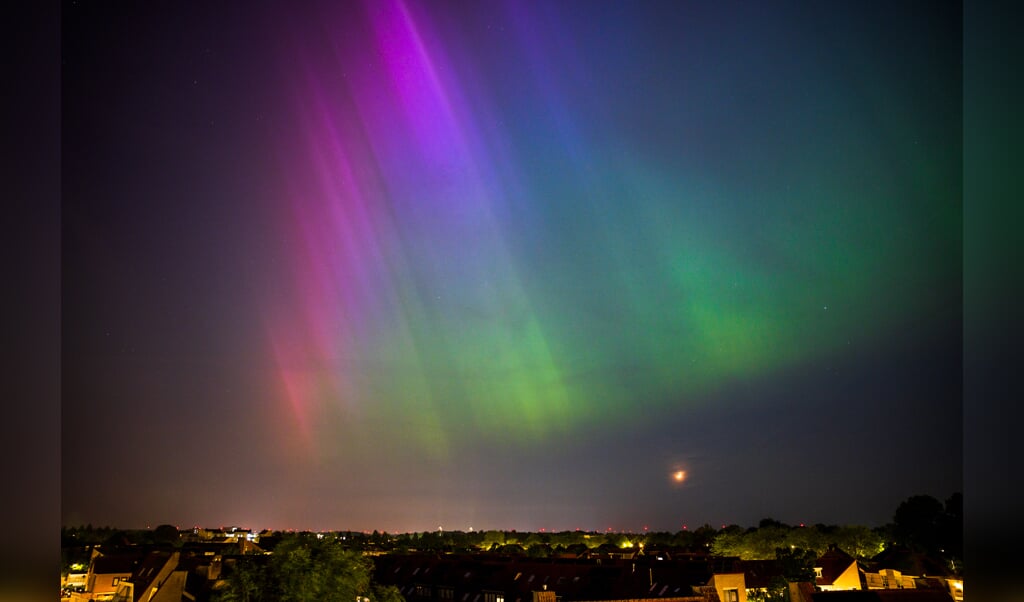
[[116, 563], [909, 562], [760, 573], [832, 564]]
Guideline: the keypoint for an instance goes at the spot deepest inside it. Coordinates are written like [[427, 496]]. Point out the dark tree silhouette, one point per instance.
[[166, 535], [952, 527], [919, 524]]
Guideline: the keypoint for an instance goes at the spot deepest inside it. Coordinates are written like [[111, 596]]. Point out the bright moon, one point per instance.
[[678, 476]]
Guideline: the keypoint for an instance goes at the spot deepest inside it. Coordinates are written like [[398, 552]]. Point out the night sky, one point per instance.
[[399, 265]]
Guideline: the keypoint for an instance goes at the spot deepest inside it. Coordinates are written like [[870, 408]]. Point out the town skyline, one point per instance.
[[954, 500]]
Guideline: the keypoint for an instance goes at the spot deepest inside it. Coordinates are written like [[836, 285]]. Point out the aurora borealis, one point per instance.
[[404, 264]]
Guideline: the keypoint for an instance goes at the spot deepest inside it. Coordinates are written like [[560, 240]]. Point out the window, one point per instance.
[[494, 597], [445, 593], [731, 595]]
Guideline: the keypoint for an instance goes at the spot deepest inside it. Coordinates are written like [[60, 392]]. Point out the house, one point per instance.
[[75, 580], [151, 574], [836, 570], [909, 562], [887, 579], [901, 568], [954, 587], [760, 575], [107, 569], [149, 577], [730, 587]]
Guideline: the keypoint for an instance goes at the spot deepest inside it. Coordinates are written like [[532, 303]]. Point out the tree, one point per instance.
[[387, 593], [492, 538], [917, 523], [166, 535], [305, 568], [703, 537], [777, 591], [245, 582], [951, 527], [730, 544], [858, 541], [797, 564]]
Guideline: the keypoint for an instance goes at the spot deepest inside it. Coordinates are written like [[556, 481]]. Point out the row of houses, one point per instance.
[[475, 578], [133, 574], [193, 572]]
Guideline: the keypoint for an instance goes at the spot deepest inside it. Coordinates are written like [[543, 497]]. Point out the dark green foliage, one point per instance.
[[246, 582], [797, 564], [166, 535], [387, 593], [777, 591], [761, 543], [304, 568], [917, 522], [926, 526], [952, 527]]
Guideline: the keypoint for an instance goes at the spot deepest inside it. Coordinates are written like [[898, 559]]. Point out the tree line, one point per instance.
[[921, 523], [304, 568]]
